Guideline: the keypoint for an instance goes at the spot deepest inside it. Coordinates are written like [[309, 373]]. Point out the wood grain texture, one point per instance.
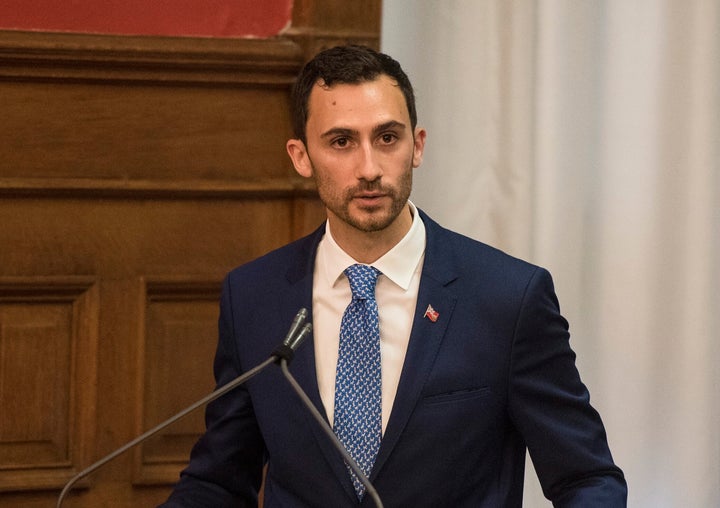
[[134, 173]]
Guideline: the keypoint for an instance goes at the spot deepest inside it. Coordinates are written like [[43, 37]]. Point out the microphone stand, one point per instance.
[[285, 351], [206, 400], [283, 354]]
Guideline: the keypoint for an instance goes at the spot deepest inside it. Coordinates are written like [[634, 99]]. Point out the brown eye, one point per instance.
[[388, 138]]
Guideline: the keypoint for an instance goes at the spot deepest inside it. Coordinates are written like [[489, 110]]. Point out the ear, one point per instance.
[[299, 156], [419, 147]]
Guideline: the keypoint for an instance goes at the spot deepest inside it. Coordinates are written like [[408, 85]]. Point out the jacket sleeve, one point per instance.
[[550, 406], [225, 466]]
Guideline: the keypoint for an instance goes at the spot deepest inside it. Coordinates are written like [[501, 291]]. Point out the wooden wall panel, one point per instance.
[[134, 173], [180, 328], [48, 328], [319, 24], [144, 132], [38, 335]]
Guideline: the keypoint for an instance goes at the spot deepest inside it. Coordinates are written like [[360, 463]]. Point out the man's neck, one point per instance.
[[368, 247]]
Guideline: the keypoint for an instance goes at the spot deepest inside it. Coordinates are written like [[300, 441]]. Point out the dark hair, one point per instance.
[[348, 65]]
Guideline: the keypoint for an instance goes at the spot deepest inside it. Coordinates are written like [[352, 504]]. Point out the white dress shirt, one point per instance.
[[396, 294]]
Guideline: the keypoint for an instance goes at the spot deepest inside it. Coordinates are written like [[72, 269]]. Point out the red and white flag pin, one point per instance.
[[431, 314]]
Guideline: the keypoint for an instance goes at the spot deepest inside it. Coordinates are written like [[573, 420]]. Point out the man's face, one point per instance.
[[361, 151]]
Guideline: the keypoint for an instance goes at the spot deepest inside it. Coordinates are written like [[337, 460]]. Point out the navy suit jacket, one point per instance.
[[492, 376]]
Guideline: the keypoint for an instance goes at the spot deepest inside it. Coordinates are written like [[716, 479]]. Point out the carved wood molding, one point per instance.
[[160, 189], [44, 288], [41, 56]]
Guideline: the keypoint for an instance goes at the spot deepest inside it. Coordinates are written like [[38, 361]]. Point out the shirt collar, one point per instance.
[[398, 264]]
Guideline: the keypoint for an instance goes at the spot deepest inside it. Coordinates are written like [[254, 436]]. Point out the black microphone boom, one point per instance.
[[291, 342]]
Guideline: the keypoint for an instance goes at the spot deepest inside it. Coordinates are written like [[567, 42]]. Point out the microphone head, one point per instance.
[[300, 337], [294, 338], [299, 319]]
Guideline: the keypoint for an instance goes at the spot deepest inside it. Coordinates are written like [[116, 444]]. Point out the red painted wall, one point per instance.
[[199, 18]]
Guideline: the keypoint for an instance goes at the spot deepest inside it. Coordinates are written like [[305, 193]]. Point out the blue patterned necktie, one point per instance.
[[357, 417]]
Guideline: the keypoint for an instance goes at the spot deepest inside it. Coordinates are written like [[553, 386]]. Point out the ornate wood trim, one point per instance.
[[162, 189], [41, 56]]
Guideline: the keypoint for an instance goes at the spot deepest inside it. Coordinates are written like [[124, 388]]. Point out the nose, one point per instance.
[[368, 164]]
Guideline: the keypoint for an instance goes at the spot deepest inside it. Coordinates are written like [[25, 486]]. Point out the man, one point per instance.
[[473, 364]]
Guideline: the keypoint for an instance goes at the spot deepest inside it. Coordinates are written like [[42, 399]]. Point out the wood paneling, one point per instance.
[[180, 327], [319, 24], [48, 331], [134, 173]]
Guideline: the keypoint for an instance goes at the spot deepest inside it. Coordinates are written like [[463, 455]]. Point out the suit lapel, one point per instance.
[[425, 338], [300, 279], [299, 293]]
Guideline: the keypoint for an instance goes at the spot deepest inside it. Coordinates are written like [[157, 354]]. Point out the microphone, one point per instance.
[[300, 318], [287, 350], [290, 343], [369, 488]]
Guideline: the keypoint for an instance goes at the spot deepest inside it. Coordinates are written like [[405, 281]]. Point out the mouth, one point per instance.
[[369, 198]]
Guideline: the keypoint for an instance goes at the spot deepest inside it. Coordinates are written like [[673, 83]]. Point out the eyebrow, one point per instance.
[[344, 131]]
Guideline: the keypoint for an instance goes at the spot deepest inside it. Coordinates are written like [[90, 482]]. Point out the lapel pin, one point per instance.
[[431, 314]]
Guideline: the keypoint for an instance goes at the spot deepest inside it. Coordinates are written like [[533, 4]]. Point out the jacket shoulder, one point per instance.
[[291, 261], [469, 257]]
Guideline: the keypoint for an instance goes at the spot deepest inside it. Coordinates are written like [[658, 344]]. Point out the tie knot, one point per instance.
[[362, 281]]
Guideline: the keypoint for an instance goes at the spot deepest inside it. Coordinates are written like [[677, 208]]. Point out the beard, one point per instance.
[[366, 218]]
